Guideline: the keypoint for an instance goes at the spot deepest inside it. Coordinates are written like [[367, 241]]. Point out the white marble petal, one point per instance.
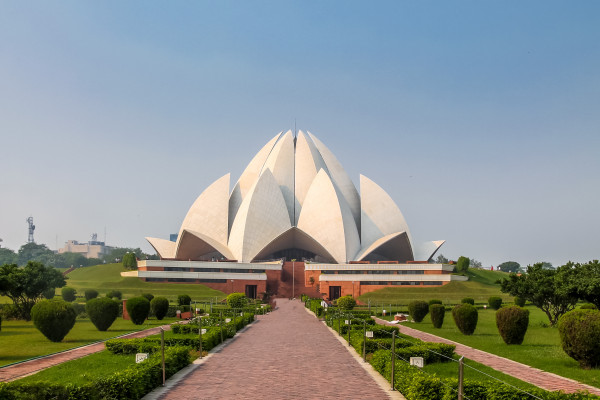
[[327, 218], [262, 217], [193, 245], [394, 247], [424, 251], [164, 248]]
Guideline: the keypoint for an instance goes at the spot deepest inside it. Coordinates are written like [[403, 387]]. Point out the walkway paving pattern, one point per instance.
[[287, 354], [543, 379], [23, 369]]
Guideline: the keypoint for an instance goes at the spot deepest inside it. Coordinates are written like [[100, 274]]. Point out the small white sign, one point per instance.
[[197, 310], [139, 357], [203, 331], [227, 320], [370, 334], [417, 362], [347, 322]]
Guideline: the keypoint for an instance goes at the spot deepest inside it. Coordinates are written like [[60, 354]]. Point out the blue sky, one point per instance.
[[480, 119]]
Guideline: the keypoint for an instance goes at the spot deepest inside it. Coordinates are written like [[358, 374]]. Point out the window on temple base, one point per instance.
[[251, 291]]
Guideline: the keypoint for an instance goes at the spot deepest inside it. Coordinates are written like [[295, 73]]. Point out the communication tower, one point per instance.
[[31, 229]]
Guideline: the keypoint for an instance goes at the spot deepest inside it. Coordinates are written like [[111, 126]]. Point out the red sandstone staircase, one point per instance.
[[293, 274]]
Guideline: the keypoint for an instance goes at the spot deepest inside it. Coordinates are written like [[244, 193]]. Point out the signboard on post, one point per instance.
[[203, 331], [227, 320], [139, 357], [369, 334], [417, 362], [347, 322]]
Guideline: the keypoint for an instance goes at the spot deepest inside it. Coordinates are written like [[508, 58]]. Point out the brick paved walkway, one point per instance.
[[23, 369], [537, 377], [287, 354]]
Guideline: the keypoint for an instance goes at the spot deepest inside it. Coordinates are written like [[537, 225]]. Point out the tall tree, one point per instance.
[[441, 259], [544, 288], [582, 280], [7, 256], [35, 252], [26, 285], [509, 266], [462, 265]]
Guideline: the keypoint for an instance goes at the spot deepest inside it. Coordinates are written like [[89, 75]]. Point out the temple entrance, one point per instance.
[[335, 292], [251, 291]]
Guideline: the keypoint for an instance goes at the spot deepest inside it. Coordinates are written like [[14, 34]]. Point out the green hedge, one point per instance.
[[417, 385], [131, 383]]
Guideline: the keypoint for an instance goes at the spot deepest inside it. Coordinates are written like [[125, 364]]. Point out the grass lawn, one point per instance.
[[106, 277], [20, 340], [480, 286], [82, 370], [541, 347]]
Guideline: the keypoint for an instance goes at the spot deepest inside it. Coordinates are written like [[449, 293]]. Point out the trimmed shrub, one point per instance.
[[148, 296], [465, 317], [468, 300], [435, 301], [346, 303], [512, 323], [160, 307], [237, 300], [54, 318], [579, 336], [49, 293], [90, 294], [138, 309], [68, 294], [519, 301], [418, 310], [115, 294], [102, 312], [588, 306], [495, 302], [184, 300], [437, 313], [0, 323]]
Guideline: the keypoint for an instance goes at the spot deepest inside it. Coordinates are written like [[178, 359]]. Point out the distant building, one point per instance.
[[91, 249], [173, 237]]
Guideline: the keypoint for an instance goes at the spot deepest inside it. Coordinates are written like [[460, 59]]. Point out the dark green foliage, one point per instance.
[[495, 302], [435, 301], [114, 294], [148, 296], [25, 286], [580, 335], [509, 266], [130, 261], [346, 303], [437, 312], [548, 289], [468, 300], [184, 300], [90, 294], [159, 306], [102, 312], [588, 306], [583, 281], [68, 294], [519, 301], [79, 309], [418, 310], [512, 323], [465, 317], [462, 265], [0, 323], [237, 300], [49, 293], [138, 309], [54, 318]]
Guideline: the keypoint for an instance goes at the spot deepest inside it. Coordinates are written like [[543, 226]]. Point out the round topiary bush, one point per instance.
[[49, 293], [114, 294], [512, 323], [90, 294], [184, 300], [54, 318], [465, 317], [346, 303], [437, 313], [160, 307], [519, 301], [138, 309], [102, 312], [418, 310], [237, 300], [580, 335], [435, 301], [495, 302], [148, 296], [68, 294], [468, 300]]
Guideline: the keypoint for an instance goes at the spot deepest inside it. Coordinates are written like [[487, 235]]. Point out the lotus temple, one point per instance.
[[295, 223]]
